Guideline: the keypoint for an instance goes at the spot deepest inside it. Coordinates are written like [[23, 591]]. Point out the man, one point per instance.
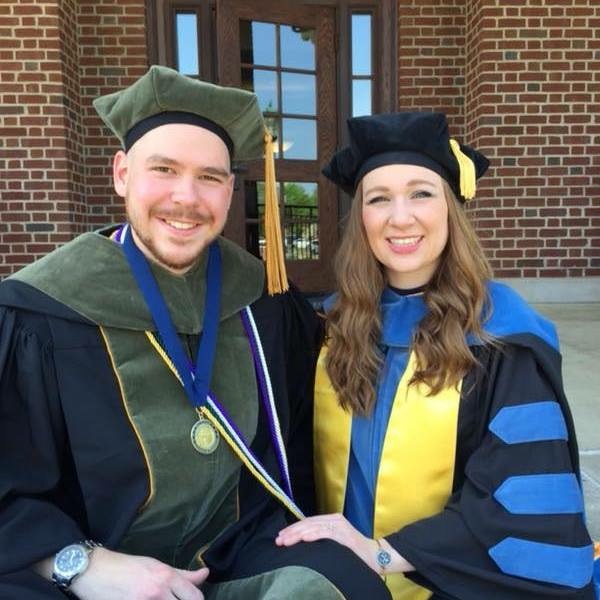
[[154, 403]]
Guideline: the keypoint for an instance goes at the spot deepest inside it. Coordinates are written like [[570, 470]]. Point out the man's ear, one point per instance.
[[120, 172], [231, 184]]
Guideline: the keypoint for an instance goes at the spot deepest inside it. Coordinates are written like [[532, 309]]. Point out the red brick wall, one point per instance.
[[56, 56], [40, 184], [533, 105], [431, 57], [521, 81], [71, 106], [113, 53]]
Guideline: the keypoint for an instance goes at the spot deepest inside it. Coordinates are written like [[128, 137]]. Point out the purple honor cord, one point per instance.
[[266, 396], [196, 378]]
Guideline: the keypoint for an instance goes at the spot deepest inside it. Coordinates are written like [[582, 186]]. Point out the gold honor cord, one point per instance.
[[203, 411]]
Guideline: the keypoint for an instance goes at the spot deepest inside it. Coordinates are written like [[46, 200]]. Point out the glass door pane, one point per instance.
[[285, 52], [186, 38], [278, 63]]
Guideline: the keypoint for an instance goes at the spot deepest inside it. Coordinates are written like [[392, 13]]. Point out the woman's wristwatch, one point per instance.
[[70, 562]]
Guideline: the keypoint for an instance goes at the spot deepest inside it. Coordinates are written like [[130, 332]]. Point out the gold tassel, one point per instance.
[[466, 168], [277, 282]]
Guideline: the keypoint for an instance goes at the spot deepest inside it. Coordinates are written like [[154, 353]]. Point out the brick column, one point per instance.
[[113, 54], [431, 58], [533, 105], [56, 56], [40, 135]]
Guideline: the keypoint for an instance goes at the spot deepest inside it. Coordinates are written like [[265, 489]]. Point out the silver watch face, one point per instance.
[[71, 560]]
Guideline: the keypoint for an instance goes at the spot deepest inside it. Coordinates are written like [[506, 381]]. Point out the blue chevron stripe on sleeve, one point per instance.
[[532, 422], [563, 565], [544, 494]]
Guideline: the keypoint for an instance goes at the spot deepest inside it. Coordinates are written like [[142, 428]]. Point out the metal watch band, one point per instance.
[[63, 583]]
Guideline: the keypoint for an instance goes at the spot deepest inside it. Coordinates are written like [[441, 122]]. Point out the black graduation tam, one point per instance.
[[413, 138]]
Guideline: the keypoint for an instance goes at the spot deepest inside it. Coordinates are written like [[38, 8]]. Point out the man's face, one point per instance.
[[177, 186]]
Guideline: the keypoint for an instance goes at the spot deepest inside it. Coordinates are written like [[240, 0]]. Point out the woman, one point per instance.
[[445, 452]]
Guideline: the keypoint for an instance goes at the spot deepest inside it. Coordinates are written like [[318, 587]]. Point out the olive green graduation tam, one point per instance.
[[163, 96]]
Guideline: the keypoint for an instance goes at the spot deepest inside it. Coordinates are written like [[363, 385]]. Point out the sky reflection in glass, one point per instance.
[[298, 93], [265, 87], [186, 28], [361, 97], [263, 43], [361, 44], [299, 139], [296, 52]]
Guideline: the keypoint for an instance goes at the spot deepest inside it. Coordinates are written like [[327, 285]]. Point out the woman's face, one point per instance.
[[405, 215]]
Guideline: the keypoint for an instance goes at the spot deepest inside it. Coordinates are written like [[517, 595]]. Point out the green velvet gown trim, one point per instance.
[[191, 497], [286, 583], [91, 276]]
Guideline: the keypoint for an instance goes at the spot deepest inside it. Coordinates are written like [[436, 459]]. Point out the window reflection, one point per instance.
[[362, 64], [255, 210], [283, 93], [297, 47], [361, 97], [264, 85], [301, 220], [257, 43], [186, 34], [299, 93], [361, 44], [299, 139], [272, 55]]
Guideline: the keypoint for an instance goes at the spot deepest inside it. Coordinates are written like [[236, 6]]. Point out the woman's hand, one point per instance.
[[337, 528]]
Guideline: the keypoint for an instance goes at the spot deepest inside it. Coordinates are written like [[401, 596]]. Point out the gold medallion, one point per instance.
[[205, 438]]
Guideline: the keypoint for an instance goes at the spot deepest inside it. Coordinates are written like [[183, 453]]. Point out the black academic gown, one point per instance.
[[58, 391], [512, 526], [497, 537]]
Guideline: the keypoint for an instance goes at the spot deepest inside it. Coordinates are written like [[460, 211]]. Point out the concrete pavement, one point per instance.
[[579, 332]]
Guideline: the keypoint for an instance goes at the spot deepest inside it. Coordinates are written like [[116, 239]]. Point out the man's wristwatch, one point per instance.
[[70, 562], [383, 558]]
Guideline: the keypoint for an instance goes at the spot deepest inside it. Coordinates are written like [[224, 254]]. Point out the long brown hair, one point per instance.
[[455, 297]]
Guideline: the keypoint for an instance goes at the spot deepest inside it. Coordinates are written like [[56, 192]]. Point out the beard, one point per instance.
[[151, 246], [164, 260]]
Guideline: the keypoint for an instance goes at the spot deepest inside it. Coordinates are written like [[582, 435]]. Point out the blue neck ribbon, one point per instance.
[[196, 379]]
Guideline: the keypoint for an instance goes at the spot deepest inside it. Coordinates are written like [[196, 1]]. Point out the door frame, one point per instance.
[[312, 275], [386, 14]]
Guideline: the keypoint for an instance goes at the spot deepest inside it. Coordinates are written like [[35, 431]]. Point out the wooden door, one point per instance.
[[286, 54]]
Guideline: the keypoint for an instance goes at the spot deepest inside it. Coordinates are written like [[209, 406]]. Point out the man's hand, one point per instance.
[[117, 576]]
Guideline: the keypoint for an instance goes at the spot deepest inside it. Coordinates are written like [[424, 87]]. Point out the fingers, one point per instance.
[[122, 577], [183, 588], [196, 577], [309, 530]]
